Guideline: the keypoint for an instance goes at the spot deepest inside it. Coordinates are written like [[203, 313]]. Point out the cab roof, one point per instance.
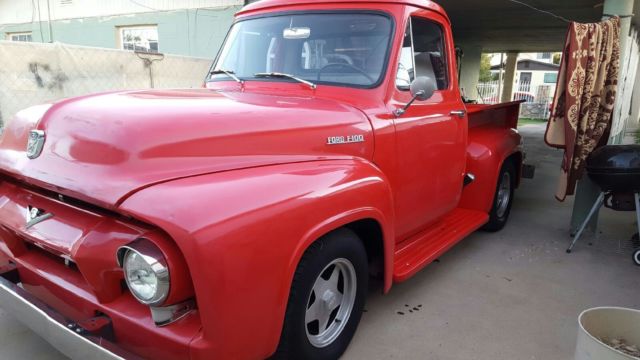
[[272, 4]]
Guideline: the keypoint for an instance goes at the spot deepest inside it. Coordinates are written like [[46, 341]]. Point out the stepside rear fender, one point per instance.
[[487, 150], [243, 233]]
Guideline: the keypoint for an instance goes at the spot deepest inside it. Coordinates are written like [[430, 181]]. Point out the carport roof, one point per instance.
[[502, 25]]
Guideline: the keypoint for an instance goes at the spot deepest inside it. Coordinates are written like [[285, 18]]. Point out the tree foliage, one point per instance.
[[485, 68]]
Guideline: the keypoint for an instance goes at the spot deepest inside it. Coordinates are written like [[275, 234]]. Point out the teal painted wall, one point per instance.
[[192, 32]]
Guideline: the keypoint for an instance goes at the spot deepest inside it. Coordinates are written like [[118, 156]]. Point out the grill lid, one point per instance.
[[615, 159], [616, 168]]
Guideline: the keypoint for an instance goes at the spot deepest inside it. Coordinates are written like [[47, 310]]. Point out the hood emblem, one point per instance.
[[35, 143], [349, 139], [35, 216]]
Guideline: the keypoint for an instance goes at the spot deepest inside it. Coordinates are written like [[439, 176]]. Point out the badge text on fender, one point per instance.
[[349, 139]]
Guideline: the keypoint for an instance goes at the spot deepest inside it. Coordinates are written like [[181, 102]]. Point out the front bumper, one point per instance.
[[68, 337]]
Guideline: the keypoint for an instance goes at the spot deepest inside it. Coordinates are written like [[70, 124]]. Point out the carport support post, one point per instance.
[[470, 69], [509, 76]]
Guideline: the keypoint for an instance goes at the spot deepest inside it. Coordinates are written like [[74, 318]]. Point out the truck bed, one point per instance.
[[501, 115]]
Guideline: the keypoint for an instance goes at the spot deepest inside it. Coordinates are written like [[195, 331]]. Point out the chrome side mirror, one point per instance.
[[422, 88]]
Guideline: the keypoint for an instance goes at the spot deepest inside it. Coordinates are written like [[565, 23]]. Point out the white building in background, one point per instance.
[[535, 80], [536, 76], [184, 27]]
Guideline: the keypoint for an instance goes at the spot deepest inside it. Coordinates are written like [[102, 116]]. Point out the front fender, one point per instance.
[[243, 232]]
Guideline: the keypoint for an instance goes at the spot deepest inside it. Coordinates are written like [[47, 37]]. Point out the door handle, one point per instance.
[[458, 113]]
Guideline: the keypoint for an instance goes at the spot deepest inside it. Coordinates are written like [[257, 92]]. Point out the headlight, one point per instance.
[[145, 271]]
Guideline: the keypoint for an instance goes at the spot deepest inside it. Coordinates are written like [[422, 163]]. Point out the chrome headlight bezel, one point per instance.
[[157, 264]]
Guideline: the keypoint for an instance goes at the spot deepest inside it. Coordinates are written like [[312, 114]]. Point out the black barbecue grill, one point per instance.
[[616, 170]]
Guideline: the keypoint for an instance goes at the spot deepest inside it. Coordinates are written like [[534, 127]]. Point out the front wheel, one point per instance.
[[327, 298], [503, 198]]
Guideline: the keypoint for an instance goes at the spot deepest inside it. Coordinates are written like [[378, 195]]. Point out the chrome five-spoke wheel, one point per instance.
[[330, 302], [326, 299], [504, 195]]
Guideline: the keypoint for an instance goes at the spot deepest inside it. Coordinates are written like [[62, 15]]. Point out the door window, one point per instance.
[[422, 54]]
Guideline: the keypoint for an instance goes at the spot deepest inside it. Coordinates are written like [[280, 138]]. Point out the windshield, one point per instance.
[[337, 48]]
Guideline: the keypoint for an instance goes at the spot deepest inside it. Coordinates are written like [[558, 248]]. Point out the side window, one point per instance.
[[406, 73], [425, 40]]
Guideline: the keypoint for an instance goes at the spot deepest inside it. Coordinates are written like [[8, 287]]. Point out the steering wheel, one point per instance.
[[359, 71]]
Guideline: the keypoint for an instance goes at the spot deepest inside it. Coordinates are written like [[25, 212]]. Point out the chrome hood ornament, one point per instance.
[[35, 143], [35, 216]]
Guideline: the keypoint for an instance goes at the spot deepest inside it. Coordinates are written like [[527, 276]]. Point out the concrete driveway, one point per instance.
[[511, 295]]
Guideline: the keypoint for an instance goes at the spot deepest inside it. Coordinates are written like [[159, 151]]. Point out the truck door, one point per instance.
[[431, 135]]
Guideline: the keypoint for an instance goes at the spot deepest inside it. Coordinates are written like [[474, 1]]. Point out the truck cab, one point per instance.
[[243, 220]]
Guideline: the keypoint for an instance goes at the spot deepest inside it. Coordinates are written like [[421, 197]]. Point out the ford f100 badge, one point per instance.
[[35, 143], [336, 140]]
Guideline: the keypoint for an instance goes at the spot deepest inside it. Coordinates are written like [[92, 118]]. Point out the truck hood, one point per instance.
[[102, 148]]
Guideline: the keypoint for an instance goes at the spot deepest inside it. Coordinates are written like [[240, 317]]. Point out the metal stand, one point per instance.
[[594, 210], [596, 207]]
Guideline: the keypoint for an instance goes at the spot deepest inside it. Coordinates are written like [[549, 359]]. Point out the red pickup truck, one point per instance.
[[243, 220]]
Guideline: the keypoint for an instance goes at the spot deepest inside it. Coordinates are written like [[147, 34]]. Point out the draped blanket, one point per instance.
[[583, 104]]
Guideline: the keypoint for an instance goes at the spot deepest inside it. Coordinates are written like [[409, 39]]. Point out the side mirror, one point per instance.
[[422, 88]]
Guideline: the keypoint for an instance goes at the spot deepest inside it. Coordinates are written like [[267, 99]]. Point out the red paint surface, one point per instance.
[[234, 184]]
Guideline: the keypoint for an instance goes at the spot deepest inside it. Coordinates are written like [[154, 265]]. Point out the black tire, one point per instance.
[[499, 214], [336, 246], [636, 257]]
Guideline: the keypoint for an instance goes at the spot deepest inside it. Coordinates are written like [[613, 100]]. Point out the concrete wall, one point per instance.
[[635, 111], [470, 72], [190, 32], [33, 73]]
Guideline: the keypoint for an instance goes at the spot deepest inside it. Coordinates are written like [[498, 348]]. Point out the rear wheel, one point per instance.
[[503, 198], [326, 300], [636, 257]]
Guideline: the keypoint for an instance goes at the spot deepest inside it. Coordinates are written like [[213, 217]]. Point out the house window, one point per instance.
[[550, 78], [544, 56], [139, 38], [23, 36]]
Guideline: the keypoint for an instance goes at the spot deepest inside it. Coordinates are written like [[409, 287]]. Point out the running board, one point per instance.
[[417, 252]]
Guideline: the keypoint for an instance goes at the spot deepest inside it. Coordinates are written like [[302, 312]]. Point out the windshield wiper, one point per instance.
[[289, 76], [229, 73]]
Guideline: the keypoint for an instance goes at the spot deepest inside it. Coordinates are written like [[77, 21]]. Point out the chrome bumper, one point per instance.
[[60, 332]]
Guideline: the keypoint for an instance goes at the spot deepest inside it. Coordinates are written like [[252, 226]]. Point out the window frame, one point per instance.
[[10, 35], [543, 56], [385, 66], [120, 33], [413, 57], [550, 73]]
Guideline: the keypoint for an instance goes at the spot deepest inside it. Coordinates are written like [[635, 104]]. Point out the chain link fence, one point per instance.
[[34, 73]]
